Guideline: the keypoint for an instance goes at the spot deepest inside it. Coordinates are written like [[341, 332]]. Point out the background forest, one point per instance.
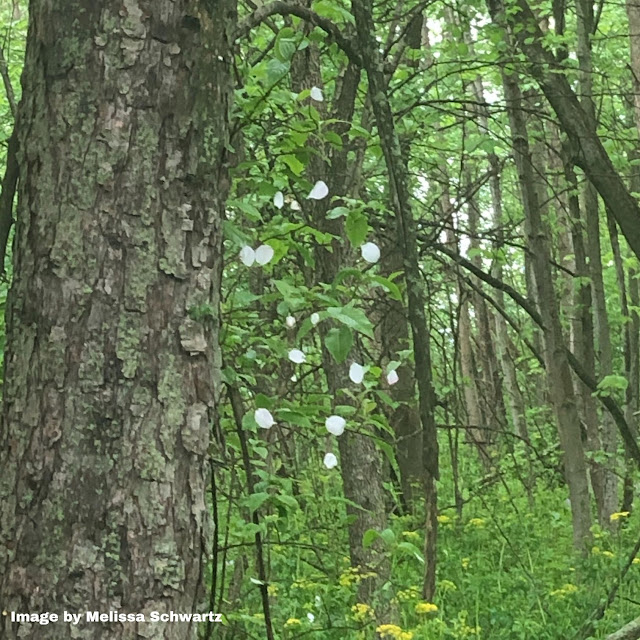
[[430, 362]]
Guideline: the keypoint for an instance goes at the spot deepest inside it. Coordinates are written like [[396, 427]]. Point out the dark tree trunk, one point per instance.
[[111, 381]]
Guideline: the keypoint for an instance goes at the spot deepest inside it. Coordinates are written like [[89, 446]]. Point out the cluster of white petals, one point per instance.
[[262, 255]]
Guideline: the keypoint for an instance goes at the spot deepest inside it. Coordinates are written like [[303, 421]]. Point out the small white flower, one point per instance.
[[247, 256], [319, 191], [294, 378], [295, 355], [392, 377], [263, 418], [295, 206], [335, 425], [316, 94], [290, 322], [310, 617], [278, 200], [356, 373], [318, 601], [315, 318], [370, 252], [330, 461], [264, 253]]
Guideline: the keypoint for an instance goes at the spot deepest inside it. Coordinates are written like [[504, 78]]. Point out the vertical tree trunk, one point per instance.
[[609, 436], [399, 191], [405, 419], [110, 385], [558, 373]]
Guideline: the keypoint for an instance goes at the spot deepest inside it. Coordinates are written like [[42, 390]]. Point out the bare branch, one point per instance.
[[8, 87], [284, 9]]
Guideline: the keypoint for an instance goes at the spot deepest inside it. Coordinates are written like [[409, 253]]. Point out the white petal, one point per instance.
[[294, 378], [264, 253], [370, 252], [310, 617], [264, 418], [295, 206], [335, 425], [247, 256], [290, 322], [392, 377], [356, 373], [315, 318], [278, 200], [319, 191], [295, 355], [316, 94], [330, 461]]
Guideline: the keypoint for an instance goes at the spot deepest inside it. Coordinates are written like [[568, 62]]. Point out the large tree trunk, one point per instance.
[[110, 386]]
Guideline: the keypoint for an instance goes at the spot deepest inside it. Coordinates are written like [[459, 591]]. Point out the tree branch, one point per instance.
[[284, 9], [608, 402]]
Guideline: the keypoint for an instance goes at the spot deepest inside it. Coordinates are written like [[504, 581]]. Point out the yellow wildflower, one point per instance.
[[465, 563], [411, 535], [617, 515], [394, 631], [362, 611], [476, 522], [426, 607], [444, 519], [292, 622], [608, 554], [635, 561], [412, 593], [565, 590], [353, 575], [272, 589]]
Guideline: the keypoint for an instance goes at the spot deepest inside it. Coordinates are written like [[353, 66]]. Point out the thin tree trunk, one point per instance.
[[398, 188], [110, 385], [557, 367], [584, 11]]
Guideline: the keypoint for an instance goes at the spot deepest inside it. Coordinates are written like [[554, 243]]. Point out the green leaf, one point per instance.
[[255, 500], [388, 536], [339, 341], [411, 549], [293, 163], [285, 46], [392, 288], [337, 212], [356, 228], [369, 537], [353, 318]]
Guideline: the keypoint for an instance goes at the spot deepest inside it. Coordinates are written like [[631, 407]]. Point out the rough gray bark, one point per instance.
[[110, 384]]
